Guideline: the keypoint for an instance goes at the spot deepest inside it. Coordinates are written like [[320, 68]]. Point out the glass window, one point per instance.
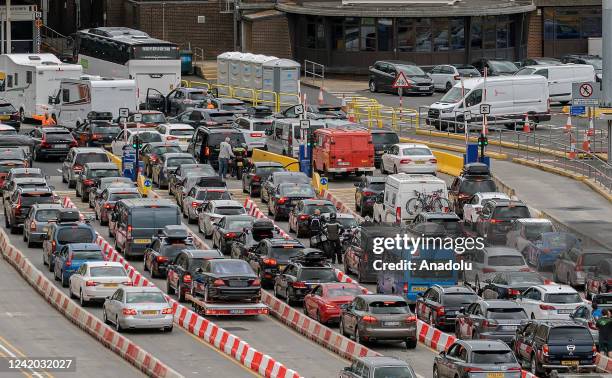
[[423, 34], [405, 35], [385, 34], [502, 35], [351, 34], [440, 34], [368, 34], [321, 34], [337, 34], [549, 23], [489, 33], [311, 31], [457, 34], [567, 24], [476, 31]]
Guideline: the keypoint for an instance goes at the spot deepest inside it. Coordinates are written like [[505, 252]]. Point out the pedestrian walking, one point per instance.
[[225, 154], [604, 325], [209, 104]]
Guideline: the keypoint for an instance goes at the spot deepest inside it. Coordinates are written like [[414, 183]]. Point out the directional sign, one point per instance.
[[323, 181], [147, 183], [577, 110], [299, 109], [485, 109], [467, 115], [124, 112], [401, 81], [586, 93], [304, 124], [137, 117]]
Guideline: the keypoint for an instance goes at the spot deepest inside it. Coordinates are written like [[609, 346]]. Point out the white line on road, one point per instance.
[[8, 351]]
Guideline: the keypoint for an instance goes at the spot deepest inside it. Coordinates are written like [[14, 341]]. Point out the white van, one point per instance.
[[560, 78], [27, 81], [399, 189], [285, 138], [510, 98], [77, 97]]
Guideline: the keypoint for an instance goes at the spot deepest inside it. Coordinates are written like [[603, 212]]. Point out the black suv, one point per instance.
[[18, 204], [496, 217], [51, 142], [181, 272], [271, 256], [205, 143], [474, 178], [303, 273], [382, 140], [89, 179], [164, 248], [439, 306], [13, 117], [383, 74], [547, 345]]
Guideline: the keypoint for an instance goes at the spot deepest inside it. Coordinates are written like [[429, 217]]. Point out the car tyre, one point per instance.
[[117, 325], [180, 294], [104, 316], [82, 300], [448, 86], [534, 365], [435, 372], [372, 86], [276, 291], [288, 297], [411, 343], [169, 288], [168, 329], [357, 336], [341, 327]]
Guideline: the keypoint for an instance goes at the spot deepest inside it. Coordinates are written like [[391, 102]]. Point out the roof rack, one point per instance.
[[475, 169], [310, 257]]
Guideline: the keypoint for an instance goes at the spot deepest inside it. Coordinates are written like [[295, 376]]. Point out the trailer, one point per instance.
[[29, 81], [225, 308]]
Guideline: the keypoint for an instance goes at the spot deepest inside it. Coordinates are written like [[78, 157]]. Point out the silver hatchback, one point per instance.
[[138, 308]]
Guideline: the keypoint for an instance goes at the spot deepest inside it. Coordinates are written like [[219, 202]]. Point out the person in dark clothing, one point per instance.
[[333, 235], [604, 325]]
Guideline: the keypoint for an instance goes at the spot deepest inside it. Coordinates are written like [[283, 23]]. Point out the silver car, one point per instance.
[[254, 131], [492, 260], [215, 210], [198, 197], [571, 266], [37, 221], [138, 307]]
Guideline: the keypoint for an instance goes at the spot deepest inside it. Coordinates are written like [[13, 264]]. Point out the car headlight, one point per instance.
[[449, 110]]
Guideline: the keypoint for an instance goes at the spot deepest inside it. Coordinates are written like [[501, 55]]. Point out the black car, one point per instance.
[[303, 273], [182, 98], [164, 248], [509, 285], [261, 229], [561, 345], [271, 256], [9, 115], [91, 175], [274, 179], [150, 154], [51, 142], [17, 205], [383, 74], [496, 218], [301, 214], [474, 178], [227, 279], [366, 191], [205, 143], [495, 67], [204, 117], [96, 133], [256, 173], [286, 196], [476, 358], [382, 140], [181, 272], [439, 306], [227, 229]]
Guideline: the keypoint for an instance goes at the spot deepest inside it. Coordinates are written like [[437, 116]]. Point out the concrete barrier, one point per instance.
[[449, 163], [289, 163], [128, 350]]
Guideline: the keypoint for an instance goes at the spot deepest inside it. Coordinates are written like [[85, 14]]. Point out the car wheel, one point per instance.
[[435, 372], [244, 189], [30, 244], [532, 316], [448, 86], [63, 280], [104, 316], [288, 297], [55, 277], [357, 336], [155, 271], [180, 294], [276, 217], [568, 281], [169, 288], [276, 291], [395, 169], [341, 327], [534, 365], [372, 86], [64, 178], [411, 343], [117, 325], [168, 329], [318, 317], [82, 300]]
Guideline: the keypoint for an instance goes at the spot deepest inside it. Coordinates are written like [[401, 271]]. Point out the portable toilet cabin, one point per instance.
[[235, 70], [223, 70], [245, 89], [282, 76], [258, 62]]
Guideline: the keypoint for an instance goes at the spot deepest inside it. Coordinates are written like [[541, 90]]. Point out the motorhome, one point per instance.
[[27, 81]]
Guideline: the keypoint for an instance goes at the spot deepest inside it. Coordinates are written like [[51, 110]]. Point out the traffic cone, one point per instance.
[[572, 152], [320, 96], [568, 125], [526, 128], [591, 130], [586, 144]]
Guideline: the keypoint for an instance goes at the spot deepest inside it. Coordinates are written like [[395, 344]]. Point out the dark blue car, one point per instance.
[[545, 250], [71, 257]]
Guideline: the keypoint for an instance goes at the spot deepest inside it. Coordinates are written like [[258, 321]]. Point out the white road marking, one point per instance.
[[8, 351], [59, 170]]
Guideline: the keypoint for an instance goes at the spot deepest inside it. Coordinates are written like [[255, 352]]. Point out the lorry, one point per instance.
[[28, 80], [392, 205], [343, 151], [76, 98]]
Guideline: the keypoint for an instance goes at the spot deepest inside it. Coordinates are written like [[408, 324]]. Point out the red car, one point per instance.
[[323, 303]]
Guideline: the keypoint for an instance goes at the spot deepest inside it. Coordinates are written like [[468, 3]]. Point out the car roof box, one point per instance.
[[311, 257], [175, 232], [476, 169], [68, 215]]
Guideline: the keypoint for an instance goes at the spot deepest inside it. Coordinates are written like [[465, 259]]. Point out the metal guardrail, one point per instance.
[[315, 71], [56, 41]]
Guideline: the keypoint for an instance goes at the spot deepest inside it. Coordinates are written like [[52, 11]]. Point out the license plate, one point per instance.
[[239, 164], [419, 288], [142, 241], [419, 162], [391, 324], [423, 88], [564, 311], [110, 285], [343, 163], [238, 283], [495, 375], [236, 312], [60, 146], [570, 363], [4, 117], [149, 312]]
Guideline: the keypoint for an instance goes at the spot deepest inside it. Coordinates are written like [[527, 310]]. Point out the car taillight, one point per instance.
[[207, 151], [369, 319], [129, 311], [187, 278], [256, 282], [494, 221], [17, 207], [170, 137], [545, 349], [230, 235], [53, 245], [77, 168], [470, 369], [129, 231], [91, 283], [298, 285], [219, 282], [168, 311], [127, 283], [368, 193], [398, 214], [108, 206], [405, 289], [410, 318], [405, 161], [514, 368], [256, 178], [457, 77], [524, 270], [514, 292], [463, 196], [96, 136], [579, 266], [440, 311], [304, 217], [88, 182], [433, 161], [270, 262], [489, 323], [33, 226], [547, 307], [195, 204], [44, 143], [282, 200], [488, 270], [161, 259], [68, 262], [256, 135]]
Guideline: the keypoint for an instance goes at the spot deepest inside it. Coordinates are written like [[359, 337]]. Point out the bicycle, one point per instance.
[[433, 202]]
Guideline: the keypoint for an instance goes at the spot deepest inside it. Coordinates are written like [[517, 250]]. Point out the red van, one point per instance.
[[343, 151]]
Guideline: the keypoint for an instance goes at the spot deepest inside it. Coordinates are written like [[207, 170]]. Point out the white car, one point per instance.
[[213, 211], [552, 301], [146, 135], [409, 158], [138, 307], [254, 131], [96, 280], [445, 76], [7, 130], [180, 133], [471, 210]]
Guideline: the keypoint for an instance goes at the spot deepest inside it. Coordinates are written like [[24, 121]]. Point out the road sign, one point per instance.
[[401, 81], [485, 109], [577, 110], [124, 112], [304, 124], [299, 109], [137, 117], [323, 181], [467, 115], [586, 93], [147, 183]]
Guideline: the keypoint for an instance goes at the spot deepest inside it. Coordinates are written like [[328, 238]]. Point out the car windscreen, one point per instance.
[[506, 260], [561, 298], [120, 196], [297, 191], [411, 70], [238, 224], [177, 161], [231, 267], [160, 150], [268, 170], [378, 186], [262, 126], [533, 231], [569, 335], [107, 271], [593, 259], [503, 66], [510, 212], [151, 217], [454, 95], [7, 108], [493, 357], [385, 138], [12, 154], [69, 235], [468, 71], [310, 209], [58, 137], [506, 313], [450, 225], [106, 129], [526, 71], [149, 137], [87, 255], [145, 297], [284, 254], [29, 199], [91, 157], [347, 222], [211, 196], [153, 118], [458, 299], [393, 371], [46, 214], [236, 139], [230, 210], [475, 186], [221, 117], [415, 151], [389, 307], [5, 168], [528, 278], [317, 274], [291, 179], [97, 173], [343, 291], [172, 250], [234, 106], [180, 132], [559, 240]]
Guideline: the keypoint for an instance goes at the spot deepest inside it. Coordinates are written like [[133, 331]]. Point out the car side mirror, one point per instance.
[[199, 271], [443, 353], [268, 132], [51, 187]]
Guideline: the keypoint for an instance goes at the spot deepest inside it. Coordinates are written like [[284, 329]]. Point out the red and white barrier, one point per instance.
[[341, 206], [140, 358], [202, 327], [604, 363]]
